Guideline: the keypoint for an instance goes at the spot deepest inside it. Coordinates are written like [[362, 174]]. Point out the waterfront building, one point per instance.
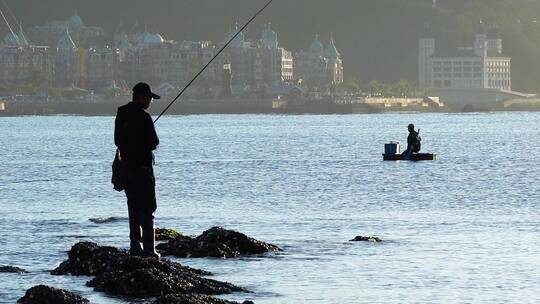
[[278, 63], [320, 67], [481, 66], [68, 63], [100, 67], [257, 65], [22, 63], [158, 61], [252, 66], [61, 64], [50, 33]]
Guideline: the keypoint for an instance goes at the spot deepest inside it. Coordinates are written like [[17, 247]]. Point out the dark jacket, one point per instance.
[[134, 134], [413, 142]]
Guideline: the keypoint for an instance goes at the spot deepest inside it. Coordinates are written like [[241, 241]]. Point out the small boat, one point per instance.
[[414, 157]]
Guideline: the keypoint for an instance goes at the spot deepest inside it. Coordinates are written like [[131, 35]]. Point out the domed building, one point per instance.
[[11, 39], [331, 50], [254, 66], [66, 42], [239, 41], [22, 63], [50, 33], [319, 67], [334, 63], [19, 63], [75, 21], [66, 62], [269, 38], [125, 44], [147, 38], [101, 67], [316, 47]]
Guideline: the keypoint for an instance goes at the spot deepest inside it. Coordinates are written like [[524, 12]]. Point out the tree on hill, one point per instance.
[[403, 88]]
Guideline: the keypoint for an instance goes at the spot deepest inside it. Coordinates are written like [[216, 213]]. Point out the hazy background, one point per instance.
[[377, 38]]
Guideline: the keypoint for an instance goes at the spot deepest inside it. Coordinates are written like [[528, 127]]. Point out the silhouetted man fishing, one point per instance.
[[413, 142], [136, 138]]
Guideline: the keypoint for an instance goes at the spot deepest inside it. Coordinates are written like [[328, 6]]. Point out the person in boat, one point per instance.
[[136, 138], [413, 142]]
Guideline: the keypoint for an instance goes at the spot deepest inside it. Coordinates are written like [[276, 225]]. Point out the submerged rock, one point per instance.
[[216, 242], [164, 234], [118, 273], [42, 294], [106, 220], [360, 238], [12, 269], [193, 299]]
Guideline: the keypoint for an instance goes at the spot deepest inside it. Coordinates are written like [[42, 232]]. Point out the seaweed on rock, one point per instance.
[[120, 274], [215, 242], [42, 294]]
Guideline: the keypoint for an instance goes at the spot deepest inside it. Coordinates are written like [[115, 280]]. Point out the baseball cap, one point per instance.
[[142, 88]]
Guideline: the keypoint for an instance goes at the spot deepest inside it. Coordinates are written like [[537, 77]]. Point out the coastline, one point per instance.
[[108, 108], [232, 106], [49, 108]]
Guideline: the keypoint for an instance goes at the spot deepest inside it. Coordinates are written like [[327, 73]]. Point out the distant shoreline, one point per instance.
[[36, 108], [84, 108]]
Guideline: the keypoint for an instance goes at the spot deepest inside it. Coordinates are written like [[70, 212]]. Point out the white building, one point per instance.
[[482, 66]]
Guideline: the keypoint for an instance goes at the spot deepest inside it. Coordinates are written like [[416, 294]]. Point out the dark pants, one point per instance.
[[407, 154], [141, 201]]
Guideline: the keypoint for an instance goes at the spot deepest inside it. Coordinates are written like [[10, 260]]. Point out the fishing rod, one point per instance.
[[11, 13], [9, 26], [213, 58]]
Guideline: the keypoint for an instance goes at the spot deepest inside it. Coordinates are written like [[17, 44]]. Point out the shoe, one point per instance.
[[136, 252], [152, 255], [149, 243]]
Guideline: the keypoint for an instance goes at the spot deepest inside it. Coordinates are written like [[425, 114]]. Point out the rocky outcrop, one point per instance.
[[12, 269], [216, 242], [164, 234], [360, 238], [152, 282], [86, 258], [42, 294], [118, 273]]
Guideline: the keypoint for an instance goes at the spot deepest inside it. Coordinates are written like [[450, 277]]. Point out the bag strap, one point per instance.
[[118, 154]]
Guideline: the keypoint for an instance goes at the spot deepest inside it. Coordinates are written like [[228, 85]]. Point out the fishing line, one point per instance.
[[213, 58]]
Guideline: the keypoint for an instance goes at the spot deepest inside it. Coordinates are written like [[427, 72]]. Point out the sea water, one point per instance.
[[462, 229]]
